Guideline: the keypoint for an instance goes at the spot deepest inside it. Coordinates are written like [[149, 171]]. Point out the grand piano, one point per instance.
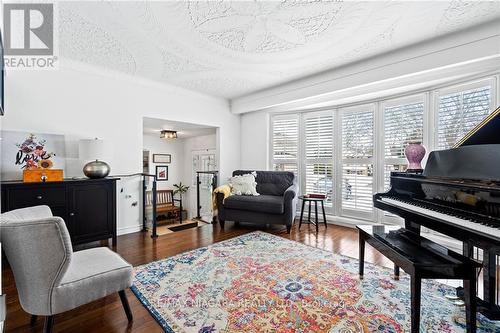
[[458, 195]]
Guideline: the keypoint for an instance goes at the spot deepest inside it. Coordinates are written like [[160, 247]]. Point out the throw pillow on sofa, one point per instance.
[[243, 185]]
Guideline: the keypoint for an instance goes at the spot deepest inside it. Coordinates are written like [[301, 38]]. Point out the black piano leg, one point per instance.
[[470, 304], [361, 256], [396, 272], [490, 275], [415, 303], [413, 227]]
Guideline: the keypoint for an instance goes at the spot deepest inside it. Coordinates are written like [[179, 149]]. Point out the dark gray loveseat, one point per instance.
[[276, 203]]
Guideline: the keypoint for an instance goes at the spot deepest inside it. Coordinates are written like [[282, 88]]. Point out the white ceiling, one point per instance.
[[233, 48], [153, 126]]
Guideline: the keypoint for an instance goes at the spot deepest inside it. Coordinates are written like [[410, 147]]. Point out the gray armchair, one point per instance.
[[50, 277], [276, 203]]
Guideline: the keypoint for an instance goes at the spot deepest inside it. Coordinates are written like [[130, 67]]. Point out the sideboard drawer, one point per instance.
[[25, 197]]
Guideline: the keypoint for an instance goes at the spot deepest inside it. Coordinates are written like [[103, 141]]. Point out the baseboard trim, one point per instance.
[[128, 230]]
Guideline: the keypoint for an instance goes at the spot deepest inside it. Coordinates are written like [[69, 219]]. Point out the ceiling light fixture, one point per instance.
[[167, 134]]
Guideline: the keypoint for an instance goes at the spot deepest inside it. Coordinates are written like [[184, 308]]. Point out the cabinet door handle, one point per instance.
[[71, 214], [39, 197]]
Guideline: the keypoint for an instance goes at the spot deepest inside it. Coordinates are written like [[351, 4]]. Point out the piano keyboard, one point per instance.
[[464, 223]]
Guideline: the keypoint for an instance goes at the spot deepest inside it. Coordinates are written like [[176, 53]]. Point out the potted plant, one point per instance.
[[180, 189]]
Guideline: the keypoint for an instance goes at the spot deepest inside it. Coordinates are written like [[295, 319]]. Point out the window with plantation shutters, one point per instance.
[[285, 143], [318, 131], [348, 153], [459, 111], [357, 127], [403, 124]]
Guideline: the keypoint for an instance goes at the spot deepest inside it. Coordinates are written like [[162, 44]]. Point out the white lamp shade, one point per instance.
[[91, 149]]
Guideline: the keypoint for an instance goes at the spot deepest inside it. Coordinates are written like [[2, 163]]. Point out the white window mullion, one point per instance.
[[428, 137], [337, 161], [379, 156], [302, 156]]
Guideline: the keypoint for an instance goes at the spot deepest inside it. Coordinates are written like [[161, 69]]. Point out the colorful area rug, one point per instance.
[[264, 283]]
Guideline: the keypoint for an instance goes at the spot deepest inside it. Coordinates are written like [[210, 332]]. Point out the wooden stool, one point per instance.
[[422, 259]]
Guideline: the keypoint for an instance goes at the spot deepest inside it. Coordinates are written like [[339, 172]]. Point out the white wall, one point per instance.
[[83, 102], [255, 140]]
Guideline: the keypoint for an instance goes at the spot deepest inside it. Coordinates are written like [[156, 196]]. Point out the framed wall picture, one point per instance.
[[161, 172], [162, 158]]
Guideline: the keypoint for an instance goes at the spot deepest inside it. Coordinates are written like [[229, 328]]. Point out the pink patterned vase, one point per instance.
[[414, 153]]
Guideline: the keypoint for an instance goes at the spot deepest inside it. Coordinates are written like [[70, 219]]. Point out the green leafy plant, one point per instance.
[[180, 189]]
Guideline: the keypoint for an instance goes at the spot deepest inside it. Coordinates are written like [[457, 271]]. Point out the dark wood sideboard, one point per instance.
[[88, 206]]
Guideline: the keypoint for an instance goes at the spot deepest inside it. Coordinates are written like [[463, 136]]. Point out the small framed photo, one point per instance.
[[162, 158], [161, 172]]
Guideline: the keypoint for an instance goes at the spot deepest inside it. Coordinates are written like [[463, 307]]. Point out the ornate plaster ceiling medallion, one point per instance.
[[263, 26]]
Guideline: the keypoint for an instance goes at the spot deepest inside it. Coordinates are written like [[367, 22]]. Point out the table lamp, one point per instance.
[[93, 150]]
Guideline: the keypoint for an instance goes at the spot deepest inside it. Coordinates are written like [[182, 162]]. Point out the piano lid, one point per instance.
[[478, 162], [486, 132]]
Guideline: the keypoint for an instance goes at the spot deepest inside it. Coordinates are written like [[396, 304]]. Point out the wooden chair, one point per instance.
[[164, 204]]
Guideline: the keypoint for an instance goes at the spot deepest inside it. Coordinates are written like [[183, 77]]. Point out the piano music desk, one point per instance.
[[421, 258]]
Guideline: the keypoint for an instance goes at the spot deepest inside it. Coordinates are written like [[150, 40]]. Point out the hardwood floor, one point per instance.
[[107, 315]]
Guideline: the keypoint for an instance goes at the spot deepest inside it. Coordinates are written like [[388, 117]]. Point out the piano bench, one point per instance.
[[421, 258]]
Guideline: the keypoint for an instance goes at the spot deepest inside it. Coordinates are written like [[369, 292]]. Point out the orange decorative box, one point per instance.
[[42, 175]]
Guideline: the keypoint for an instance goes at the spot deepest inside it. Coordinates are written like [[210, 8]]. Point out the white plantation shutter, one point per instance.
[[285, 143], [459, 111], [318, 130], [403, 124], [319, 136], [357, 159], [285, 138], [357, 134], [357, 187]]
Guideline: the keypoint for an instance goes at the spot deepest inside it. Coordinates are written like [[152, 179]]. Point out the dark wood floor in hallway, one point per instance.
[[107, 315]]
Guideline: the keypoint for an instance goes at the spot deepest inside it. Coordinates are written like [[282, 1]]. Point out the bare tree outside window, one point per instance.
[[459, 112]]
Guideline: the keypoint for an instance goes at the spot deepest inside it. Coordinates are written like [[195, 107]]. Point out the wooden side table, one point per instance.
[[310, 201]]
